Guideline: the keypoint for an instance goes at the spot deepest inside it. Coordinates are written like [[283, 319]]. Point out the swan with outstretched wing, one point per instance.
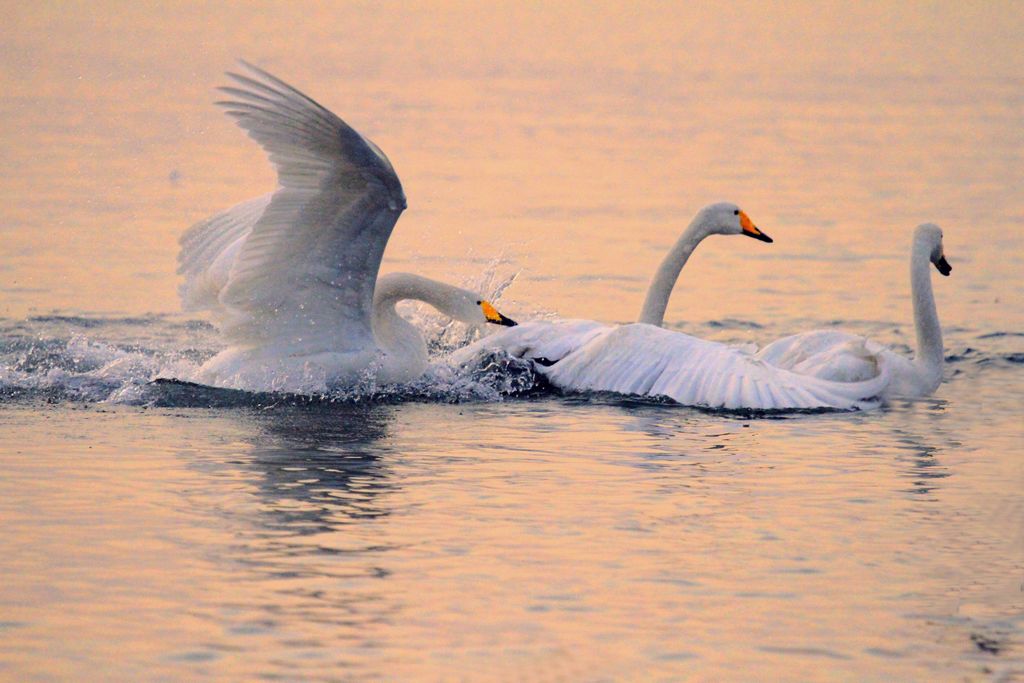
[[291, 277], [644, 359], [820, 369]]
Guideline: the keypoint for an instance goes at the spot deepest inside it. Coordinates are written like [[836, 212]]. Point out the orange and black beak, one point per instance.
[[493, 316], [751, 230]]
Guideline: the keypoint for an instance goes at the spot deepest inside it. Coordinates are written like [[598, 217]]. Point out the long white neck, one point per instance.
[[653, 312], [929, 358], [394, 333]]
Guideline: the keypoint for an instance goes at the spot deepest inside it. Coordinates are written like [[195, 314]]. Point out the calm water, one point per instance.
[[445, 532]]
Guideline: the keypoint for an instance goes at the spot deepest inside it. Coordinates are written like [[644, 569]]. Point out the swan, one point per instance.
[[645, 359], [291, 277], [844, 357], [548, 341]]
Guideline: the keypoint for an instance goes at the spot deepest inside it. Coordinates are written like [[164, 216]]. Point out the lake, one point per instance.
[[453, 531]]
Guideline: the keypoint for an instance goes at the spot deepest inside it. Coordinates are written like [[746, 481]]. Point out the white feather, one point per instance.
[[208, 250], [646, 360], [298, 269], [291, 278]]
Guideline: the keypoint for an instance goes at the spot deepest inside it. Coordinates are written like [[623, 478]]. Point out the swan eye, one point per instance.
[[735, 212], [479, 302]]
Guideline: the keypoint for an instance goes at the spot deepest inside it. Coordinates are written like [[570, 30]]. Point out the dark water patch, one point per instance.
[[91, 322], [176, 393], [1012, 358], [987, 644], [1000, 335], [195, 657], [803, 652], [496, 380], [967, 353], [734, 323]]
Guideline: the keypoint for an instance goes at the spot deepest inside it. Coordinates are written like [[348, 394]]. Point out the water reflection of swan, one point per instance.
[[311, 555], [321, 466], [292, 277]]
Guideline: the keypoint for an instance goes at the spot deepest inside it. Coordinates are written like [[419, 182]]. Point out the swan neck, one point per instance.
[[929, 355], [660, 289], [393, 332]]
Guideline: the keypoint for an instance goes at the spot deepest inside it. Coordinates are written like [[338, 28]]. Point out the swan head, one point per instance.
[[470, 308], [725, 218], [929, 236]]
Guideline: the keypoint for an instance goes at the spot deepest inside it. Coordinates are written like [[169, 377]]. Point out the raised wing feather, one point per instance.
[[306, 271], [208, 250], [645, 360]]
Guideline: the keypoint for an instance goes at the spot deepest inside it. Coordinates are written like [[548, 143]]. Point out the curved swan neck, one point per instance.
[[929, 354], [393, 332], [660, 289], [395, 287]]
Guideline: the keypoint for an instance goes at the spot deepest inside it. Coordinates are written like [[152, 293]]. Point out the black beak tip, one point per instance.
[[942, 265], [508, 322]]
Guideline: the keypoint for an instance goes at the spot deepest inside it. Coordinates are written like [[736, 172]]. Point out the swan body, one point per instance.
[[291, 277], [840, 356]]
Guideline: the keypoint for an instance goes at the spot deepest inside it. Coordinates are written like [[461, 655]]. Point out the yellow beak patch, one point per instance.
[[492, 315], [748, 225], [751, 230], [490, 312]]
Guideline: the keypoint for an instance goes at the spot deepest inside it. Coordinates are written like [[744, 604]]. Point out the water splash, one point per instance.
[[60, 358], [118, 359]]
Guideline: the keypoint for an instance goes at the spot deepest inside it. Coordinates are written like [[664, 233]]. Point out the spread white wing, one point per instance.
[[645, 360], [544, 340], [301, 267]]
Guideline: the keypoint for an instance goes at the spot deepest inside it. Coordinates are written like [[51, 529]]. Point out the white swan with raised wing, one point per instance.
[[291, 277]]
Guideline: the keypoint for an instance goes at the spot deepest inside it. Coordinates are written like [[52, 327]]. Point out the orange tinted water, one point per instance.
[[553, 539]]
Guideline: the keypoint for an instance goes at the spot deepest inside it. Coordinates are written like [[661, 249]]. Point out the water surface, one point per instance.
[[449, 532]]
